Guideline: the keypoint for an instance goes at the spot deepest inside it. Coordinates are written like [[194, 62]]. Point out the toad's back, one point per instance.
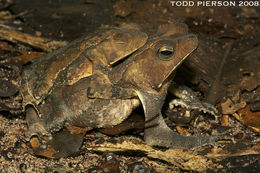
[[79, 59]]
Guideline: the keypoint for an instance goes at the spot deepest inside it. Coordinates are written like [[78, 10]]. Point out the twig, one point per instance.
[[38, 42], [13, 16], [216, 84], [7, 5]]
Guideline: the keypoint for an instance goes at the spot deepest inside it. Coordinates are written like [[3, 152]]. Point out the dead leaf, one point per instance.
[[228, 107], [36, 146], [250, 82], [249, 118], [77, 130]]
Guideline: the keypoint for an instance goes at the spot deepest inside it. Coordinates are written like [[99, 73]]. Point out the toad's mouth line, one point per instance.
[[173, 69]]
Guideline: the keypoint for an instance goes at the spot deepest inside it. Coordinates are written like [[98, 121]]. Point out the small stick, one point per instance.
[[216, 84], [45, 44]]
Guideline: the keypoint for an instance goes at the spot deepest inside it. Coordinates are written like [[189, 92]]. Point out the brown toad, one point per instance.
[[97, 81]]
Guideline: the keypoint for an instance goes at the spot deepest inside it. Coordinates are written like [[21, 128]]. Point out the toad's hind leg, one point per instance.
[[59, 142]]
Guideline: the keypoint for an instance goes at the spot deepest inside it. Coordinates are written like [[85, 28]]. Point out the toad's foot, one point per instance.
[[191, 102], [162, 135], [61, 144], [39, 131], [36, 128]]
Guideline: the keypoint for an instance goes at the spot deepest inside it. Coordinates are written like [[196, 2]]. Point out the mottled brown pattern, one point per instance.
[[98, 81]]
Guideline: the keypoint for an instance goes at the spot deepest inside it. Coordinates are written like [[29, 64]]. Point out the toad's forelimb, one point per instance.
[[157, 133]]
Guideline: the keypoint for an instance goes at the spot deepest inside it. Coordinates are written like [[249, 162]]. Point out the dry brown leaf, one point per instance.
[[225, 120], [77, 130], [36, 146], [249, 118], [250, 82], [228, 107]]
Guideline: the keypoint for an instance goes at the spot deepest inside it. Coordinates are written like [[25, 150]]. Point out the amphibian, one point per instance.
[[98, 80]]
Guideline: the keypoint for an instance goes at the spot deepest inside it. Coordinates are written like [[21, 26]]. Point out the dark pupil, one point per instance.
[[166, 52]]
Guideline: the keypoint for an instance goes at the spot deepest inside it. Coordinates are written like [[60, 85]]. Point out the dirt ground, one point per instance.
[[225, 72]]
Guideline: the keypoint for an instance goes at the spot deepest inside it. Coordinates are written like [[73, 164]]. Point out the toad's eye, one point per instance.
[[165, 52]]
